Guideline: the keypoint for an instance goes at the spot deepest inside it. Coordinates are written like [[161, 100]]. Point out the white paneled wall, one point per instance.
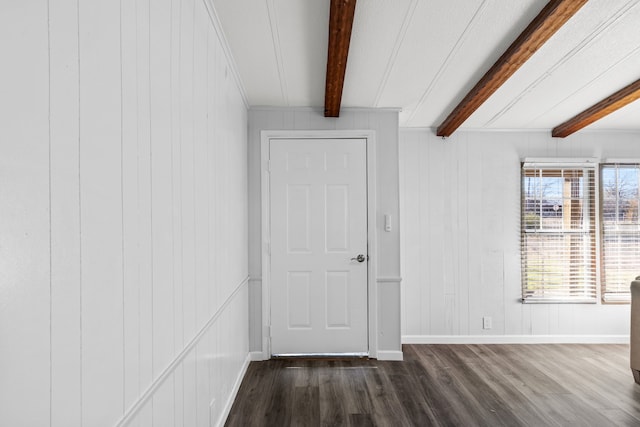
[[460, 207], [123, 234]]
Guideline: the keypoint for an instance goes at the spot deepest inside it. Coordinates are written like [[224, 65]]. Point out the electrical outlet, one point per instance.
[[486, 322]]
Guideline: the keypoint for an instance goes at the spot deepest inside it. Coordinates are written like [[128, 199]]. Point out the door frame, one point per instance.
[[372, 292]]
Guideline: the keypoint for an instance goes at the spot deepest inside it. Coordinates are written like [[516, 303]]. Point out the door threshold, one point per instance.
[[321, 356]]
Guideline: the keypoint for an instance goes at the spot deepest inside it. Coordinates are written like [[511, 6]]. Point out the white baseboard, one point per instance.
[[515, 339], [257, 356], [390, 355], [234, 392]]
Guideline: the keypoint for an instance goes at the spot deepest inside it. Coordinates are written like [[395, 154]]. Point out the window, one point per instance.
[[620, 229], [558, 233]]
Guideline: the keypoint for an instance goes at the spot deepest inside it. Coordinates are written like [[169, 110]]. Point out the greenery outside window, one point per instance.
[[620, 229], [558, 233]]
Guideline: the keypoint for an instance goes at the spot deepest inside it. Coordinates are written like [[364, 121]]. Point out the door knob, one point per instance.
[[359, 258]]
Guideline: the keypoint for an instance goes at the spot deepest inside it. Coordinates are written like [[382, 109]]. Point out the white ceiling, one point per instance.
[[424, 55]]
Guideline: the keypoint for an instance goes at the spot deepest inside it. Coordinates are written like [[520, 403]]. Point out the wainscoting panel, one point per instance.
[[124, 231]]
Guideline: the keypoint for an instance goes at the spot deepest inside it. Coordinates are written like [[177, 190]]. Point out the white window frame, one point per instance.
[[611, 297], [590, 164]]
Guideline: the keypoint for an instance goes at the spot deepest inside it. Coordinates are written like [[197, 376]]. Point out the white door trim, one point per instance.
[[369, 136]]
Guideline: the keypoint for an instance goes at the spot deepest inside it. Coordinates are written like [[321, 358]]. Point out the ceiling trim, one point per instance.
[[340, 26], [613, 102], [538, 131], [553, 16], [320, 110], [433, 129]]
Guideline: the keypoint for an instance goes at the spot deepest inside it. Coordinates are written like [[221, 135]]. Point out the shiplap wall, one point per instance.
[[385, 124], [460, 206], [123, 233]]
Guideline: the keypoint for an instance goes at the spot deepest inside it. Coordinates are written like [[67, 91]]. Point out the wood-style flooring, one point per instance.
[[446, 385]]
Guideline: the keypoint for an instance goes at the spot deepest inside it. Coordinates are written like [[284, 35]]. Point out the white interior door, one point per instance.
[[318, 228]]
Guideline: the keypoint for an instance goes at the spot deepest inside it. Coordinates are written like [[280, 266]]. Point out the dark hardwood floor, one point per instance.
[[446, 385]]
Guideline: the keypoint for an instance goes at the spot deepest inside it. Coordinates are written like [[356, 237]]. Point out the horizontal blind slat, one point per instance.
[[620, 236]]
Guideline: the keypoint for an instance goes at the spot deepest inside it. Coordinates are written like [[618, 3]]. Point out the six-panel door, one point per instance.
[[318, 227]]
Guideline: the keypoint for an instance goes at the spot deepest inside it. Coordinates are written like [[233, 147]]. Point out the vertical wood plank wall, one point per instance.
[[460, 207], [123, 233]]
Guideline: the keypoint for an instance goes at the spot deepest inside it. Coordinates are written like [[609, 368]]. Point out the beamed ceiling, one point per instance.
[[427, 56]]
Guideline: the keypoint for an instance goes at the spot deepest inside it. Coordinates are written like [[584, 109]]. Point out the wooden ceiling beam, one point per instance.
[[340, 25], [611, 103], [553, 16]]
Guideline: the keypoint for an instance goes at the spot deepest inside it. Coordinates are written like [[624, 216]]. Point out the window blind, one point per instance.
[[558, 230], [620, 225]]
